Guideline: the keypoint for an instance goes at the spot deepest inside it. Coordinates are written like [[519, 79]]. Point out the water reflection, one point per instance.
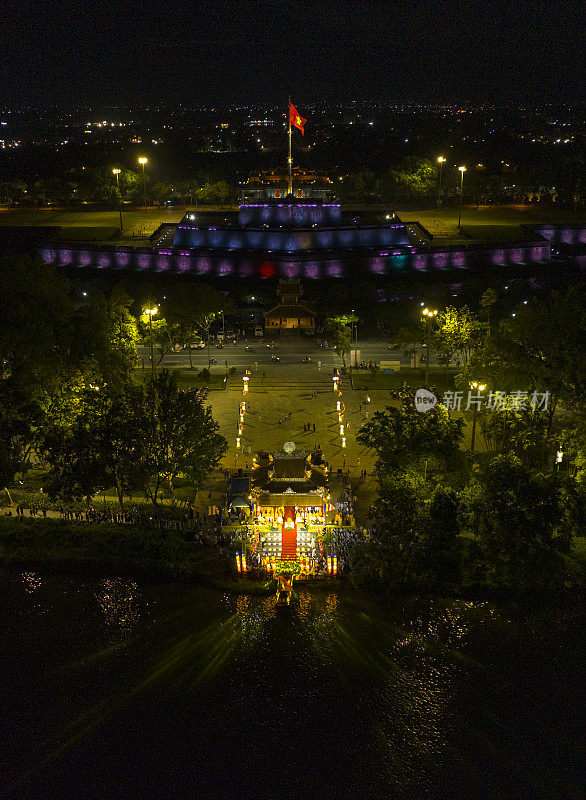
[[119, 601], [32, 581], [371, 694]]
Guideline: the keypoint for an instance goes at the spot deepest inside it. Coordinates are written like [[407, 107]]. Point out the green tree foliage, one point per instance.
[[140, 437], [194, 308], [182, 436], [487, 301], [340, 331], [521, 521], [458, 331], [104, 446], [403, 438], [413, 545], [106, 332], [541, 348]]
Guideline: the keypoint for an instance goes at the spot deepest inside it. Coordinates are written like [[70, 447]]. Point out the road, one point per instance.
[[291, 350]]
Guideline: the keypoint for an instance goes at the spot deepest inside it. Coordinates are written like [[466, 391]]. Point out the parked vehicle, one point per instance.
[[275, 358]]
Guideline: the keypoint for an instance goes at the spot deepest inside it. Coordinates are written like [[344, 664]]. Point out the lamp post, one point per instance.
[[481, 387], [429, 315], [462, 171], [143, 160], [440, 161], [117, 173], [149, 312]]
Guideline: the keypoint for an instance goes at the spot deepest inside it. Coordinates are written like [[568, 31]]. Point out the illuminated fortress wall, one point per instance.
[[310, 264], [299, 215]]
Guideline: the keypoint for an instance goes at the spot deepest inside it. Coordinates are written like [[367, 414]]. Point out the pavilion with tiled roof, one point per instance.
[[291, 312], [291, 498]]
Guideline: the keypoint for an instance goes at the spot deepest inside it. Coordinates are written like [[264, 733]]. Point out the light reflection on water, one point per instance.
[[119, 601], [375, 689]]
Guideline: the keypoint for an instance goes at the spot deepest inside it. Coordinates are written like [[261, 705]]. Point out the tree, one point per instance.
[[413, 544], [105, 446], [404, 438], [104, 330], [337, 328], [194, 308], [487, 301], [458, 331], [541, 348], [410, 339], [182, 436], [520, 520]]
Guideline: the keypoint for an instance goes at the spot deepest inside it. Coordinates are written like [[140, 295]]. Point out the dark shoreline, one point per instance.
[[58, 548]]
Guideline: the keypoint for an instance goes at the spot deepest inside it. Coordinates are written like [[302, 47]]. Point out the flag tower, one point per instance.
[[290, 159], [296, 119]]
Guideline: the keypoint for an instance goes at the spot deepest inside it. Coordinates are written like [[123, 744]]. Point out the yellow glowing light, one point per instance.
[[462, 169], [441, 160], [143, 160], [116, 171]]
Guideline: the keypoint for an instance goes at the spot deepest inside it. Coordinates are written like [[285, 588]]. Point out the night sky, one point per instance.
[[218, 51]]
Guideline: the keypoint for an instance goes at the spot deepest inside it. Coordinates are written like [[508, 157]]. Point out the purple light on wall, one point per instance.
[[143, 261], [245, 269], [122, 259], [516, 255], [421, 262], [440, 260], [203, 265], [459, 259], [498, 257], [582, 235], [48, 256], [567, 235], [183, 263], [65, 257], [290, 269], [104, 260], [225, 267], [312, 269], [377, 265], [334, 269], [163, 263]]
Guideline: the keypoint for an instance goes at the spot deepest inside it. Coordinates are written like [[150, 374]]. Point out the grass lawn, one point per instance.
[[188, 378], [486, 223], [94, 225], [365, 380]]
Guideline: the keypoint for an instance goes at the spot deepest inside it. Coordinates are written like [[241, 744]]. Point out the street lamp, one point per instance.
[[462, 171], [149, 312], [481, 387], [429, 315], [143, 160], [117, 172], [441, 160]]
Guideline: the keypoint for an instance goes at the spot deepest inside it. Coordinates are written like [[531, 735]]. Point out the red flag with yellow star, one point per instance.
[[295, 118]]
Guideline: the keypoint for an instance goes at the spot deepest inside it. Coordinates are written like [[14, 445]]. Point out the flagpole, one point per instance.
[[290, 160]]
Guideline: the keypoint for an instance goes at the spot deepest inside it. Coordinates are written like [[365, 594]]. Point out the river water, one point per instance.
[[122, 689]]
